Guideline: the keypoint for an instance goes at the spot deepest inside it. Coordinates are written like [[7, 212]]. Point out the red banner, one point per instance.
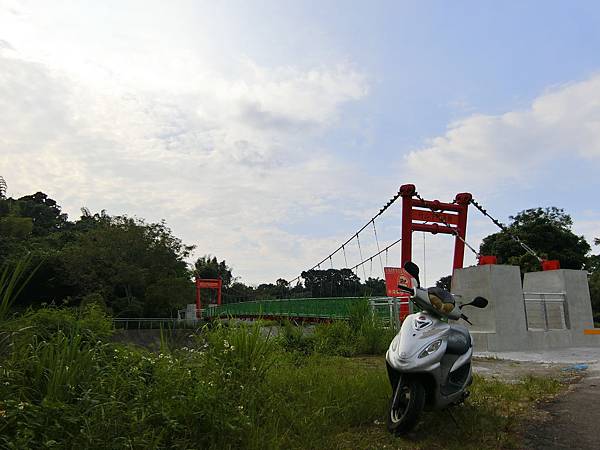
[[395, 276]]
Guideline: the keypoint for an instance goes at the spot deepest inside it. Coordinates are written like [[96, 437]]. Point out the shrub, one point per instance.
[[90, 322], [294, 339], [335, 338], [363, 333], [12, 282]]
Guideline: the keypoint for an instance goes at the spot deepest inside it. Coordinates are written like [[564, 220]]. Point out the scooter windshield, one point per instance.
[[441, 300]]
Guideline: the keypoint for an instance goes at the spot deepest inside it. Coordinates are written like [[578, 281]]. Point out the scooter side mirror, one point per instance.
[[413, 270], [477, 302]]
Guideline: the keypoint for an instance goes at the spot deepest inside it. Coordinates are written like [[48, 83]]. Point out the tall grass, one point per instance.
[[65, 384], [362, 334], [12, 281]]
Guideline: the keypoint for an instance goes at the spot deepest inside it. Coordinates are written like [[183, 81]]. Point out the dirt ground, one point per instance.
[[513, 371], [572, 419]]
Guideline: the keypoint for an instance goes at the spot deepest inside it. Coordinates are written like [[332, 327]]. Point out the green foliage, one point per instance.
[[336, 338], [12, 282], [445, 282], [242, 350], [332, 283], [65, 385], [128, 261], [372, 338], [362, 334], [207, 267], [165, 296], [93, 299], [294, 339], [547, 231], [44, 212], [16, 227], [594, 283], [90, 322], [137, 268], [374, 287]]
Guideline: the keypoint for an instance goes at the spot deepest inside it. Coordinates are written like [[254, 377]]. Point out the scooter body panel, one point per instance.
[[446, 375]]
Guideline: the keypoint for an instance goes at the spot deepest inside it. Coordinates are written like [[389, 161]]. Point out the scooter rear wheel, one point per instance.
[[406, 405]]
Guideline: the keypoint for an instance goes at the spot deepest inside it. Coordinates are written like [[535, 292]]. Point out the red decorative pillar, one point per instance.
[[406, 191]]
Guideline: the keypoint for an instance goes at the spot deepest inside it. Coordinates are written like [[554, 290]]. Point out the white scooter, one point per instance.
[[429, 360]]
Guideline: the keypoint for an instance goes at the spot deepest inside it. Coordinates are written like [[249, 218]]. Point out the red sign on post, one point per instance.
[[395, 276]]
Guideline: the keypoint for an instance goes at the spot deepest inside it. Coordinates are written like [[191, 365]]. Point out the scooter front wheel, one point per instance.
[[408, 400]]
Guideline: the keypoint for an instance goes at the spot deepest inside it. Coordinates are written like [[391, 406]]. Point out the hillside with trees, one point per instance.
[[131, 267]]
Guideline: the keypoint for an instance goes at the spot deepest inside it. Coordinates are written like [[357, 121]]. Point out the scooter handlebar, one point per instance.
[[406, 289]]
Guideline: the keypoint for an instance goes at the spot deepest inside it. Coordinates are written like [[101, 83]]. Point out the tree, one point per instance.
[[207, 267], [123, 260], [594, 283], [166, 296], [375, 287], [135, 268], [444, 282], [43, 211], [547, 231], [332, 283]]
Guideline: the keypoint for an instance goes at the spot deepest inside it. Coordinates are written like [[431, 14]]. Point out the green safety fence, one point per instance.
[[328, 308]]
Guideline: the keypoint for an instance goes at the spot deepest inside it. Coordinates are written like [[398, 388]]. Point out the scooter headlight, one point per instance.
[[431, 348]]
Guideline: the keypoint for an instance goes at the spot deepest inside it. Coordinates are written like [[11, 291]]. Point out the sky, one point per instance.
[[267, 132]]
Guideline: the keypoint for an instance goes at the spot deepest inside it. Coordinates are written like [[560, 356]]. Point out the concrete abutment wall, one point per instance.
[[503, 325]]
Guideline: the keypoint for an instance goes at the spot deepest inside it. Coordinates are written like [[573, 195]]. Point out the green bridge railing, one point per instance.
[[323, 308], [306, 308], [328, 308]]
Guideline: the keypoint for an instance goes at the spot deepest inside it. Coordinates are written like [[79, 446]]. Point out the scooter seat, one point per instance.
[[459, 340]]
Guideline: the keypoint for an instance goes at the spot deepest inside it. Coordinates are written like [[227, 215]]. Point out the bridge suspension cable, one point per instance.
[[504, 228], [342, 247], [370, 258]]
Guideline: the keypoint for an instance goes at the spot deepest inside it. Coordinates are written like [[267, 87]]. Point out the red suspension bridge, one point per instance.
[[418, 214]]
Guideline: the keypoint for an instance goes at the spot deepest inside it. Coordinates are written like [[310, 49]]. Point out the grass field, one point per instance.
[[64, 384]]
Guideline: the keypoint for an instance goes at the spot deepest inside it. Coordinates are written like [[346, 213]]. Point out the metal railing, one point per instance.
[[388, 310], [145, 323], [317, 308], [546, 311]]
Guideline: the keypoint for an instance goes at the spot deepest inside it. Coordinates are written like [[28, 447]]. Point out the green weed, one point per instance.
[[12, 281], [64, 384]]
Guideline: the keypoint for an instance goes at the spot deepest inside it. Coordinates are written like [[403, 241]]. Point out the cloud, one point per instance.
[[226, 162], [493, 156], [485, 152]]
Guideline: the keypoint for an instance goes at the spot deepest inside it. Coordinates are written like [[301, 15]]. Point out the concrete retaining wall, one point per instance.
[[502, 326]]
